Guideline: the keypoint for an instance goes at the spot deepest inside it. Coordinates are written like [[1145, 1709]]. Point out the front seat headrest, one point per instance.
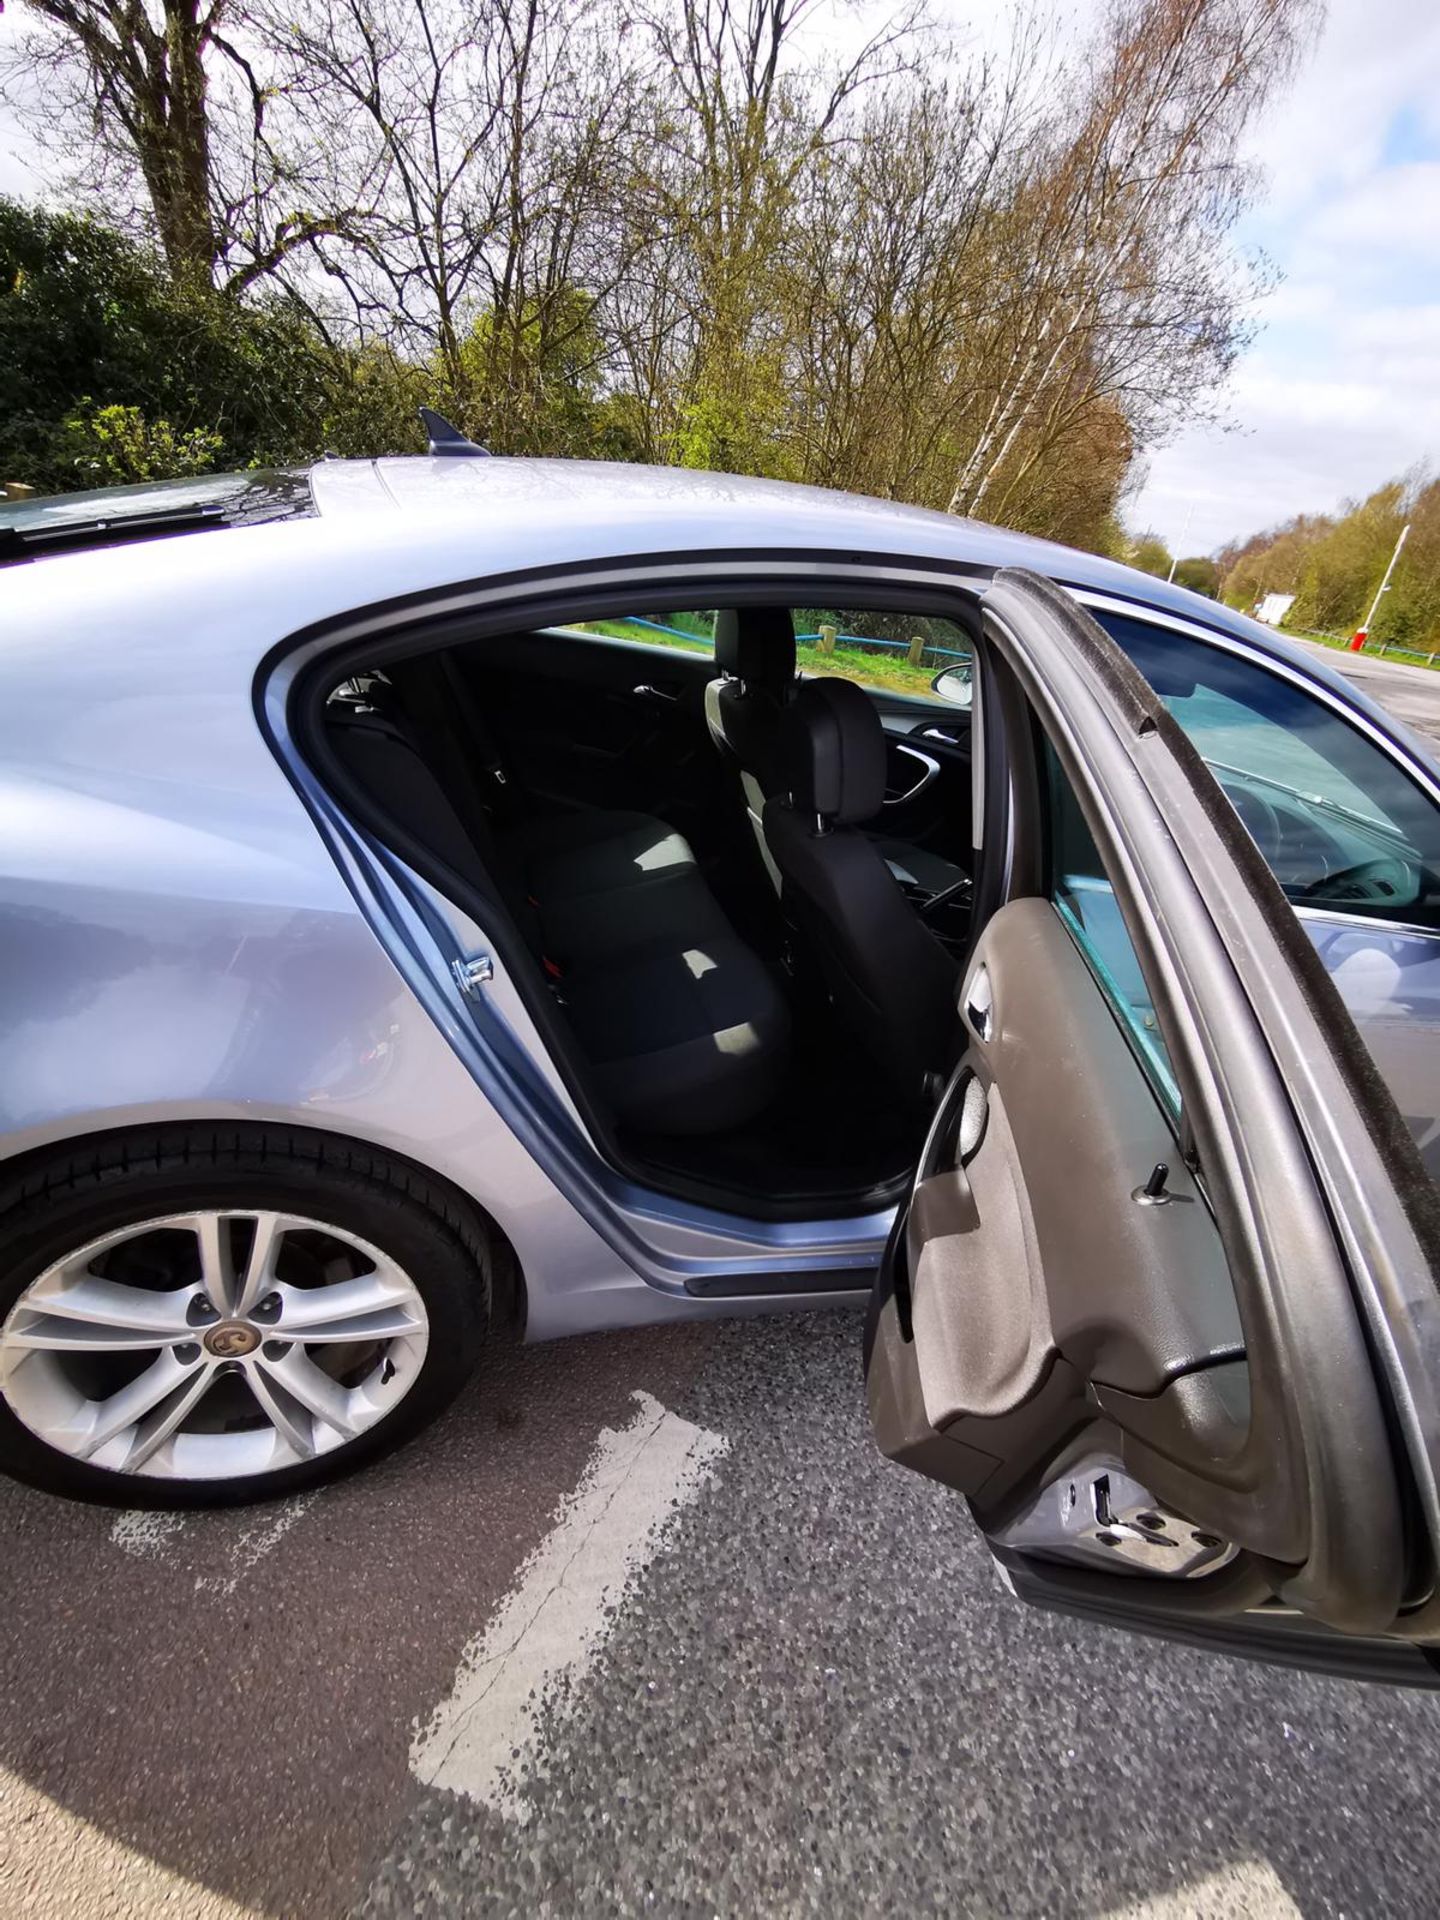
[[756, 645], [832, 752]]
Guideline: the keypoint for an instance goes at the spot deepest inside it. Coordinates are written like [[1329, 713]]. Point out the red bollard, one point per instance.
[[1357, 645]]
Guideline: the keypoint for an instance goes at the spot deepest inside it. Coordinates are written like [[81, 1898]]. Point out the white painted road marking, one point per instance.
[[555, 1619], [150, 1536], [56, 1866], [143, 1534], [1250, 1890], [252, 1543]]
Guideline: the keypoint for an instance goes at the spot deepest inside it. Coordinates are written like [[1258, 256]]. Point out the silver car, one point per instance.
[[448, 890]]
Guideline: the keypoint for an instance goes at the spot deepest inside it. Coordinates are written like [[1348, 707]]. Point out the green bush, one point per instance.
[[116, 446], [112, 370]]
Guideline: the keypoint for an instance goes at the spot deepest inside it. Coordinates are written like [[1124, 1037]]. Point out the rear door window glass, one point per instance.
[[891, 652]]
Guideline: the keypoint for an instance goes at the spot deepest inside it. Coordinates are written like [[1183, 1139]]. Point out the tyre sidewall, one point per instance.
[[440, 1267]]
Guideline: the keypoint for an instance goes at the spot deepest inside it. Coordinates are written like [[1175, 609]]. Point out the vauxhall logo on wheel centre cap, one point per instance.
[[231, 1340]]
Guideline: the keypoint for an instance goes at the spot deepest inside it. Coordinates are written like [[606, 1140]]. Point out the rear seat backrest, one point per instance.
[[376, 752]]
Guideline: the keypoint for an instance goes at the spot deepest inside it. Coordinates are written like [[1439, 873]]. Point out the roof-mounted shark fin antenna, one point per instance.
[[447, 440]]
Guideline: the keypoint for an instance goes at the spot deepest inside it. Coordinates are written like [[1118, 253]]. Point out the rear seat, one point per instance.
[[685, 1029]]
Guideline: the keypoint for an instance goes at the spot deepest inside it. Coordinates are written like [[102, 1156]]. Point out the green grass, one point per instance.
[[632, 630], [892, 672], [1376, 649]]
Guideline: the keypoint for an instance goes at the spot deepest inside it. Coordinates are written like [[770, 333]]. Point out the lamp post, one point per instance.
[[1362, 632]]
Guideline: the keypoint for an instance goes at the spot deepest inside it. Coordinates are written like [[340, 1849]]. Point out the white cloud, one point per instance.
[[1341, 391], [1330, 128], [1391, 217]]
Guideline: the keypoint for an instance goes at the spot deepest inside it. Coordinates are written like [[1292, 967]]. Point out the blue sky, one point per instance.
[[1341, 389]]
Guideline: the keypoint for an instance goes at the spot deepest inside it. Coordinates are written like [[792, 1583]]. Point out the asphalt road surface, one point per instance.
[[645, 1626], [1412, 694], [805, 1694]]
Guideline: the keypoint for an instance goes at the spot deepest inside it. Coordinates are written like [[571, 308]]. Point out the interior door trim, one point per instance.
[[1242, 1037]]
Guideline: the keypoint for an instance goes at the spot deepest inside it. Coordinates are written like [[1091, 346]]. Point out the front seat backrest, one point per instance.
[[755, 652], [890, 979]]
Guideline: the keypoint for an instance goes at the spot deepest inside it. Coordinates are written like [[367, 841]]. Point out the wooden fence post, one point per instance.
[[827, 639], [917, 650]]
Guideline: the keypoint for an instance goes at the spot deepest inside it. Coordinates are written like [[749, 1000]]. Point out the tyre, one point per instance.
[[202, 1317]]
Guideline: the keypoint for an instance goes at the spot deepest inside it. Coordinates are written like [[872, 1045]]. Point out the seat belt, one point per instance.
[[503, 798], [425, 699]]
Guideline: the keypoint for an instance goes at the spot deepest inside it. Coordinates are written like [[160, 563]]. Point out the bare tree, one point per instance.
[[752, 114], [165, 110], [1129, 295], [690, 233], [489, 134]]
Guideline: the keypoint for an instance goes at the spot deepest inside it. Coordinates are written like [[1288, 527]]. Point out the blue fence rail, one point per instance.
[[803, 640]]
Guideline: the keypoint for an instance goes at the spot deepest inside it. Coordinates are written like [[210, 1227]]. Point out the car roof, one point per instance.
[[439, 484], [395, 526]]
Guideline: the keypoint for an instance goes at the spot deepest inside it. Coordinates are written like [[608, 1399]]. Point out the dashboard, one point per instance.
[[1323, 862]]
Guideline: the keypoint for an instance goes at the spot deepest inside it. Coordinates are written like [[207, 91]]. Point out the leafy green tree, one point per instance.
[[533, 382], [115, 446], [111, 367], [1200, 574], [1334, 563], [1150, 554]]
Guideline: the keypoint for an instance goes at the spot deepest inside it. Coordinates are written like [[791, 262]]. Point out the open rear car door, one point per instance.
[[1163, 1303]]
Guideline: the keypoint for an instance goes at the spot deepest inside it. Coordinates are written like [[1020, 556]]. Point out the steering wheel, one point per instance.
[[1386, 881], [1260, 819]]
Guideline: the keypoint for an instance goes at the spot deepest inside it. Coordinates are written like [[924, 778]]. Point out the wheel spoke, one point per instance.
[[217, 1261], [259, 1276], [370, 1308], [101, 1316], [289, 1418], [164, 1387], [107, 1358], [160, 1425], [297, 1375]]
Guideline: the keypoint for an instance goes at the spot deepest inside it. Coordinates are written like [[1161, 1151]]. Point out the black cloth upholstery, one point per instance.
[[683, 1040], [745, 712], [889, 978], [603, 885], [744, 708], [684, 1029], [744, 724], [832, 752]]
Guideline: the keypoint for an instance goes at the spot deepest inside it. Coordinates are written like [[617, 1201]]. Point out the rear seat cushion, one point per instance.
[[684, 1028], [578, 867], [586, 852], [692, 1041]]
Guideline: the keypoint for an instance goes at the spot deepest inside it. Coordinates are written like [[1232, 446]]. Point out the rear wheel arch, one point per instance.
[[42, 1170], [74, 1430]]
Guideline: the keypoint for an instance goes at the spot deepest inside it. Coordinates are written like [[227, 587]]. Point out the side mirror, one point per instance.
[[953, 684]]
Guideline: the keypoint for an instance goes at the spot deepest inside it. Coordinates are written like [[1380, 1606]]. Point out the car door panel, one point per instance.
[[1051, 1101], [589, 720], [927, 773], [1062, 1349]]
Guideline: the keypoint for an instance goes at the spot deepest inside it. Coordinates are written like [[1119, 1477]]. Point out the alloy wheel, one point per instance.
[[212, 1345]]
